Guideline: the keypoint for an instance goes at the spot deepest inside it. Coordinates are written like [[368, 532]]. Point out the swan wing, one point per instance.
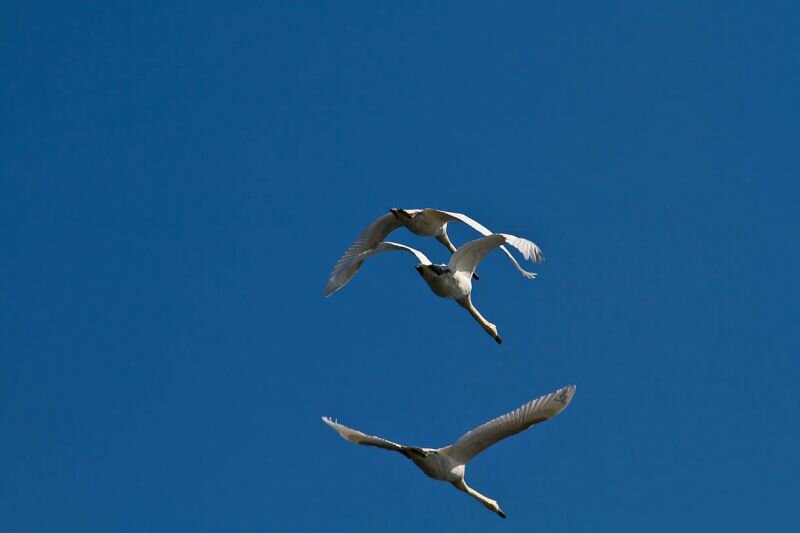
[[468, 256], [449, 216], [353, 435], [389, 246], [529, 250], [474, 442], [537, 256], [347, 265]]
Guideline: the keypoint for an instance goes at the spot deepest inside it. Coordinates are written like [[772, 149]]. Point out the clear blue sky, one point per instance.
[[176, 183]]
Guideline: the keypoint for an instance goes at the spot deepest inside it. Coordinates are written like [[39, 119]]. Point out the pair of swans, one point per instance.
[[453, 280]]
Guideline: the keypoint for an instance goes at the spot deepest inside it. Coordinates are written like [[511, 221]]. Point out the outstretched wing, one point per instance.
[[468, 256], [536, 254], [347, 265], [533, 412], [389, 246], [353, 435], [527, 248]]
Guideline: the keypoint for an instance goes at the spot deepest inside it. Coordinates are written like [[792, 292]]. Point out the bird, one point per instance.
[[449, 463], [454, 280], [424, 222]]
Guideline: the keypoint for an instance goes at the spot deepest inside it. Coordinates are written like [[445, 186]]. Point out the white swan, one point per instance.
[[454, 280], [448, 463], [424, 222]]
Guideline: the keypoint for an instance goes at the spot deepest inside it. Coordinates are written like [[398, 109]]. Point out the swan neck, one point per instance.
[[444, 239], [488, 502], [488, 326]]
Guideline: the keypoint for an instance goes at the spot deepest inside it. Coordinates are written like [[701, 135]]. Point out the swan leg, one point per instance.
[[491, 329]]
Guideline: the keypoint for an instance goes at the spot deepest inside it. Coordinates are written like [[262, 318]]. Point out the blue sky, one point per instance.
[[176, 183]]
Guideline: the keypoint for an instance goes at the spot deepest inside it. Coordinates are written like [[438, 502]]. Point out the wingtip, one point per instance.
[[569, 392], [329, 290], [537, 255]]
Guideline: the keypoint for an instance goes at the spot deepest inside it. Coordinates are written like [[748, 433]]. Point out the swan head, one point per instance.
[[491, 329], [493, 506]]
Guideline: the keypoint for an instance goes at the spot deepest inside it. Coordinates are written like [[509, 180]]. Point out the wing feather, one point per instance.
[[389, 246], [353, 435], [347, 265], [535, 253], [528, 249], [533, 412], [468, 256]]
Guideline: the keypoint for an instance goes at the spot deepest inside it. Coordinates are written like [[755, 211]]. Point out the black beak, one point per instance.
[[475, 275], [502, 514], [498, 340]]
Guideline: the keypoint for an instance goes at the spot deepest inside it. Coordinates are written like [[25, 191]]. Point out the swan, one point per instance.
[[424, 222], [454, 280], [448, 463]]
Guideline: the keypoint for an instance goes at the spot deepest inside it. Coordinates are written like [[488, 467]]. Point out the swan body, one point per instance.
[[444, 283], [449, 463], [424, 222], [454, 280]]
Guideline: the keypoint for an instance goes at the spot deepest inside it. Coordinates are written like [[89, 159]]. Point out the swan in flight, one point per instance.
[[423, 222], [454, 280], [448, 463]]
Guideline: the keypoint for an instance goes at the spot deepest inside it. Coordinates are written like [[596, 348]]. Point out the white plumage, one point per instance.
[[454, 280], [424, 222], [449, 463]]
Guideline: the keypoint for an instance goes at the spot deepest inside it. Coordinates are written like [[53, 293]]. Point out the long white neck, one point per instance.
[[488, 502], [490, 328], [442, 237]]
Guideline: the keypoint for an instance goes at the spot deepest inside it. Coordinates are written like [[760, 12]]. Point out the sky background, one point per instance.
[[176, 183]]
